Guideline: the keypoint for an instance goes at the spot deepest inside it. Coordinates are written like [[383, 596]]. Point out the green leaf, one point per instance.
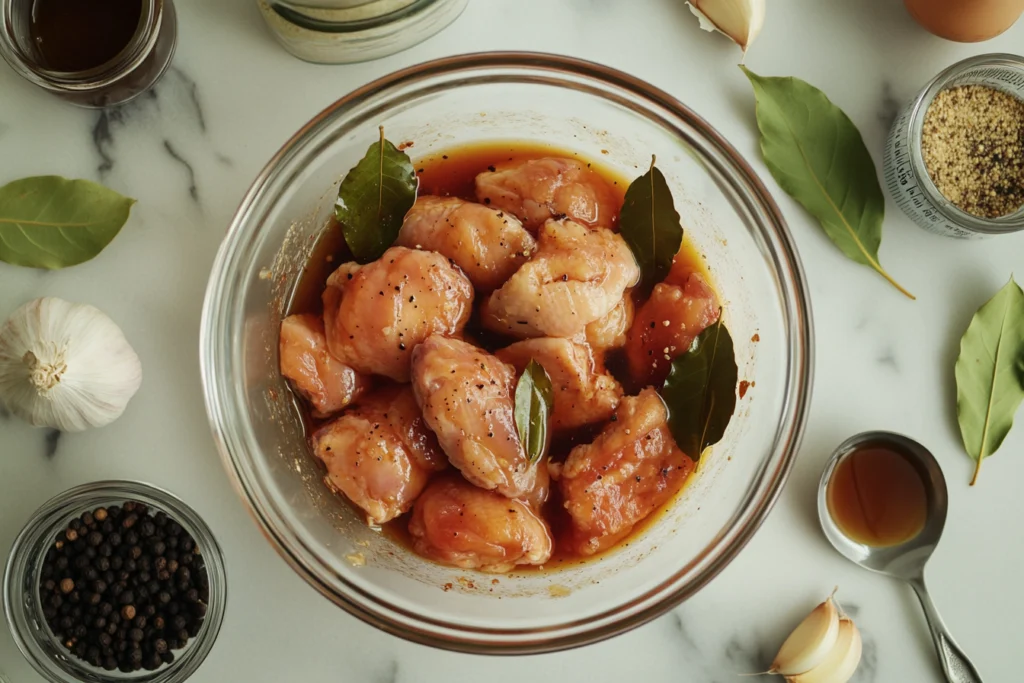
[[52, 222], [374, 198], [700, 391], [534, 397], [818, 157], [650, 225], [990, 373]]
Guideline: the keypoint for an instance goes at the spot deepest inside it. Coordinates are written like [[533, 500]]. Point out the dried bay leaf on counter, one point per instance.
[[374, 198], [52, 222], [817, 155], [650, 225], [533, 401], [700, 392], [990, 373]]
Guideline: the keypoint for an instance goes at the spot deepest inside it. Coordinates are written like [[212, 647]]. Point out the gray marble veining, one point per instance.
[[51, 437], [887, 358], [193, 190]]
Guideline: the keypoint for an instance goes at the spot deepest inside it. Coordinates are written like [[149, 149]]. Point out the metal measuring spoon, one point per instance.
[[907, 560]]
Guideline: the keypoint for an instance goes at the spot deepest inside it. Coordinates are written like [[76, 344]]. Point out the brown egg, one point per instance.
[[966, 21]]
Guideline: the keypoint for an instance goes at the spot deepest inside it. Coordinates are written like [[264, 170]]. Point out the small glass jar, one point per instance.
[[22, 578], [133, 71], [906, 175], [344, 31]]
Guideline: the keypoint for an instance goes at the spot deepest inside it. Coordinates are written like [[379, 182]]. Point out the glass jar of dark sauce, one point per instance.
[[93, 53]]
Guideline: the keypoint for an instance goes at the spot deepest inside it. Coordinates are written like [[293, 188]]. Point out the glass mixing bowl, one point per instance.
[[602, 114]]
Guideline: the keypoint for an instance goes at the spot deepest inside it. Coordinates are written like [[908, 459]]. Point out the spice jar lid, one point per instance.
[[345, 31]]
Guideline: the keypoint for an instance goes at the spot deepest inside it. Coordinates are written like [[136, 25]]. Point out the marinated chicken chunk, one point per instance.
[[631, 469], [376, 314], [466, 395], [666, 325], [582, 393], [488, 244], [379, 453], [609, 331], [458, 524], [539, 189], [577, 276], [328, 384]]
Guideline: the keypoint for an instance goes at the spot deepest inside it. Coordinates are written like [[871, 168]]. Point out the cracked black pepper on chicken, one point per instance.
[[409, 364]]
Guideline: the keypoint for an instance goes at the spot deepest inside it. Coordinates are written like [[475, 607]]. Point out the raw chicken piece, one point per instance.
[[609, 331], [488, 244], [540, 189], [666, 325], [576, 276], [458, 524], [466, 395], [541, 490], [379, 453], [582, 394], [328, 384], [628, 472], [376, 314]]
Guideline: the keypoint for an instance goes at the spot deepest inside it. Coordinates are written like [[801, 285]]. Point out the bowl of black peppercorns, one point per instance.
[[115, 581]]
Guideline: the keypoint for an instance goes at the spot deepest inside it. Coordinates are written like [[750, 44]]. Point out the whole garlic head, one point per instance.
[[66, 365]]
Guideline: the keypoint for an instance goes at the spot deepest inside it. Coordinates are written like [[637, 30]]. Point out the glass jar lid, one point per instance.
[[344, 31]]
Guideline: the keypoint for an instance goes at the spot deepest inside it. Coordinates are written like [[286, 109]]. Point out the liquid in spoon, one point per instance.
[[876, 497]]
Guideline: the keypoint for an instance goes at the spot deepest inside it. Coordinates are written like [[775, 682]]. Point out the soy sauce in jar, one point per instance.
[[79, 35], [876, 496]]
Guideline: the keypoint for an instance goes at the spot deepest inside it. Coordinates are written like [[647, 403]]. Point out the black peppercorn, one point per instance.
[[122, 588]]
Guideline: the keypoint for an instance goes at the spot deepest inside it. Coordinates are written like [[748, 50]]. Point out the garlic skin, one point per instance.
[[841, 662], [810, 642], [740, 20], [66, 366]]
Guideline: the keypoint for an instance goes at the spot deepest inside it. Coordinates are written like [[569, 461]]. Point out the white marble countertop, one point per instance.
[[188, 151]]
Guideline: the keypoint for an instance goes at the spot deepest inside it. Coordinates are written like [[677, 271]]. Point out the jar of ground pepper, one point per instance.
[[93, 53], [954, 158]]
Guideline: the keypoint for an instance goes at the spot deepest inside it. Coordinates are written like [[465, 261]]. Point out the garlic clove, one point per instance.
[[841, 662], [740, 20], [66, 366], [810, 642]]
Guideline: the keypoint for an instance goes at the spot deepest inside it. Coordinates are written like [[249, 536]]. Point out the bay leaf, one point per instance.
[[817, 155], [374, 198], [650, 225], [53, 222], [700, 391], [990, 373], [533, 400]]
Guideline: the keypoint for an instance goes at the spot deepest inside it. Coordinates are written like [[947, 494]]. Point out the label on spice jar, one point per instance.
[[905, 185]]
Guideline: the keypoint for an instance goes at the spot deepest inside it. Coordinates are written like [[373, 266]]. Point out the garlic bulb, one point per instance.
[[741, 20], [66, 365]]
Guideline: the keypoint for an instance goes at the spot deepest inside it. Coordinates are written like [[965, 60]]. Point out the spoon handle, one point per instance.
[[955, 665]]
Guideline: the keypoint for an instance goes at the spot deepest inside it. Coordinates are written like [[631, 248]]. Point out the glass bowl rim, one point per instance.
[[217, 323], [80, 498]]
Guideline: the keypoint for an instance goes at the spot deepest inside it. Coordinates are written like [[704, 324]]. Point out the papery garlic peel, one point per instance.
[[66, 365], [841, 662], [740, 20], [810, 642]]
